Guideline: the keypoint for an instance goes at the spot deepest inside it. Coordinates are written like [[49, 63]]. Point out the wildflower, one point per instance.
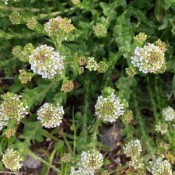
[[140, 38], [91, 159], [50, 115], [136, 163], [161, 45], [67, 157], [91, 64], [12, 108], [59, 26], [100, 30], [102, 67], [131, 71], [168, 113], [159, 166], [10, 132], [12, 159], [133, 148], [75, 2], [15, 17], [67, 86], [109, 108], [82, 61], [162, 128], [25, 76], [46, 62], [81, 171], [16, 51], [148, 59], [32, 23], [127, 117]]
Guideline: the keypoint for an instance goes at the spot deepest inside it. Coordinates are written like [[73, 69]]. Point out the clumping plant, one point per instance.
[[87, 87]]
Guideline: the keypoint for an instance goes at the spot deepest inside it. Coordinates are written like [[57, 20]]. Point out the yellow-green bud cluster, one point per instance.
[[160, 166], [12, 108], [127, 116], [140, 38], [46, 62], [168, 114], [12, 159], [100, 30], [161, 45], [50, 115], [82, 61], [102, 67], [148, 59], [23, 52], [91, 64], [10, 132], [67, 157], [161, 127], [15, 17], [59, 27], [25, 76], [131, 71], [67, 86], [32, 23], [109, 108]]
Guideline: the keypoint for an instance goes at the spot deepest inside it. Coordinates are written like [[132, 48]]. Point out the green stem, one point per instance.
[[142, 129], [95, 132], [43, 161]]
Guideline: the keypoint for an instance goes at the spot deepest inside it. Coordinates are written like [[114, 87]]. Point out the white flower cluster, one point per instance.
[[91, 64], [109, 109], [168, 113], [81, 171], [133, 148], [50, 115], [149, 59], [90, 161], [46, 62], [162, 128], [12, 160], [159, 166], [12, 108], [58, 26]]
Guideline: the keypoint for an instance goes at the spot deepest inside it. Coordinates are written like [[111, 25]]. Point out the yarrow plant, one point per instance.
[[168, 113], [46, 62], [12, 159], [12, 109], [50, 115], [109, 108], [148, 59], [160, 166]]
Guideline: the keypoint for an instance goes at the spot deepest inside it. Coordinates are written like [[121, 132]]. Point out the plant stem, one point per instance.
[[43, 161], [95, 132]]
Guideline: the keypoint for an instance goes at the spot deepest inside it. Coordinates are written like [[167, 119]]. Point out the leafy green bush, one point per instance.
[[70, 68]]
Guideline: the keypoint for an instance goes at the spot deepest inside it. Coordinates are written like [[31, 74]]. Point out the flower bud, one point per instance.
[[100, 30], [67, 86], [15, 17], [32, 23]]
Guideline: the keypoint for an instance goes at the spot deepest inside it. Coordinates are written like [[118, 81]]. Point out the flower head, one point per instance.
[[25, 76], [67, 86], [58, 26], [100, 30], [136, 163], [91, 159], [133, 148], [148, 59], [168, 113], [159, 166], [91, 64], [12, 108], [46, 62], [12, 159], [109, 108], [81, 171], [50, 115], [161, 127]]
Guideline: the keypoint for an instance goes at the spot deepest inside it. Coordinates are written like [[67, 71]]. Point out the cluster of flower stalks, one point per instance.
[[54, 65]]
